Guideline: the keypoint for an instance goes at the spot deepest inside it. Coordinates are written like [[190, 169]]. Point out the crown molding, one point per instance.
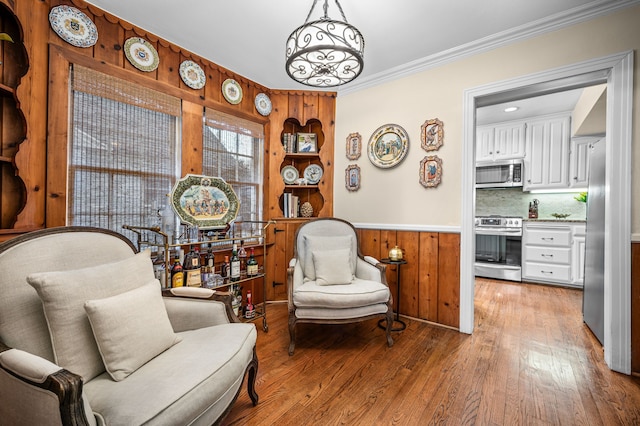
[[532, 29]]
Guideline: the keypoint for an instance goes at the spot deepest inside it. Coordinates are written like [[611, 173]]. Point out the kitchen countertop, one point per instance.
[[553, 219]]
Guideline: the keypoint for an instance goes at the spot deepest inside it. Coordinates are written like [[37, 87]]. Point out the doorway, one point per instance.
[[617, 72]]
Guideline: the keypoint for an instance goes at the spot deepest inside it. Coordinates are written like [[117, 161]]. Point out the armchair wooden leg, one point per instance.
[[389, 327], [292, 333], [251, 380]]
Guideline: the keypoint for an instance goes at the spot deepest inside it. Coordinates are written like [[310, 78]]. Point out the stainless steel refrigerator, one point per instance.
[[593, 295]]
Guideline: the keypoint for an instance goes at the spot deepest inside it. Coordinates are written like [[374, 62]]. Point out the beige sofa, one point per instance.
[[86, 338]]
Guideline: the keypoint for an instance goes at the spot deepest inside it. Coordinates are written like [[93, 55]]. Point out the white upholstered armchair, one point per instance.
[[329, 281]]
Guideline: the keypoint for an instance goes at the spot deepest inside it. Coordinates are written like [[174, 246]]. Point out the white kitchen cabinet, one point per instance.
[[503, 141], [547, 153], [553, 252], [579, 158]]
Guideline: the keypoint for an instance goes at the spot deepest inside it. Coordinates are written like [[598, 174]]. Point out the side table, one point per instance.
[[382, 322]]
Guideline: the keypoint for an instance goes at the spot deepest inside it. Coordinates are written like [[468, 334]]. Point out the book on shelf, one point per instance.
[[291, 205], [299, 142]]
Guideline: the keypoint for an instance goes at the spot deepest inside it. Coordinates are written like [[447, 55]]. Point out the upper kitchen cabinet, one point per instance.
[[504, 141], [579, 158], [547, 148]]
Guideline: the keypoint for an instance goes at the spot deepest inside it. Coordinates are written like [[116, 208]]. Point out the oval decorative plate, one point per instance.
[[263, 104], [192, 75], [232, 91], [73, 26], [204, 201], [289, 175], [141, 54], [313, 174], [388, 146]]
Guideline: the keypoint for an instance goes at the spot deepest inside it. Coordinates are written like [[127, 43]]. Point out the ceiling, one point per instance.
[[248, 36]]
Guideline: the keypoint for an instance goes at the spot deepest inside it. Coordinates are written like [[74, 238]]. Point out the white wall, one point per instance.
[[395, 196]]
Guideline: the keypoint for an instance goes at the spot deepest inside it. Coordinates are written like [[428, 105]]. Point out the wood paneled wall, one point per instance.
[[430, 280]]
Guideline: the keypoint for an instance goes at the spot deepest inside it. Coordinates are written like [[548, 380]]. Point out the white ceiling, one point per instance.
[[248, 36]]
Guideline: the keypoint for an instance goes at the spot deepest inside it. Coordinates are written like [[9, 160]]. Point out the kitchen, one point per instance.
[[534, 168]]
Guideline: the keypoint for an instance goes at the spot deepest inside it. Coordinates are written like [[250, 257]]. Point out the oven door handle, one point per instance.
[[499, 231]]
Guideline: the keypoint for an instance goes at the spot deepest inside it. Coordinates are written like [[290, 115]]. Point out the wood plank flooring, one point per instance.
[[530, 361]]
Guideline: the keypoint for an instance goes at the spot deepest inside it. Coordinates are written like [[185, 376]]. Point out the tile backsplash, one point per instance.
[[514, 202]]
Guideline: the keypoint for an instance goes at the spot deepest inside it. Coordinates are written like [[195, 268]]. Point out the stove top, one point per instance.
[[499, 221]]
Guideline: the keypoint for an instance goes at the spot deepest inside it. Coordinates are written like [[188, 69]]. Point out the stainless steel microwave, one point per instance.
[[499, 174]]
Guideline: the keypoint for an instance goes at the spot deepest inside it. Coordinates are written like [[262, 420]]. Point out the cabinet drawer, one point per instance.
[[558, 255], [547, 272], [548, 237]]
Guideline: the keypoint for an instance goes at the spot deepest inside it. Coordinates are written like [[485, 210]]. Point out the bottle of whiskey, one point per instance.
[[252, 265], [177, 273], [235, 264], [191, 266], [242, 254]]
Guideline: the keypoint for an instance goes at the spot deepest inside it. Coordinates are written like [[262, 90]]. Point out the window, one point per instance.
[[233, 150], [123, 156]]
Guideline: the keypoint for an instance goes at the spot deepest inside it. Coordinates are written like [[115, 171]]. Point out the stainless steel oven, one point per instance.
[[499, 247]]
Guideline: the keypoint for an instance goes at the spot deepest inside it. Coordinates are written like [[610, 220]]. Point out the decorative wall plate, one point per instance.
[[432, 134], [313, 174], [232, 91], [204, 201], [73, 26], [263, 104], [289, 175], [352, 177], [141, 54], [430, 171], [354, 146], [192, 75], [388, 146]]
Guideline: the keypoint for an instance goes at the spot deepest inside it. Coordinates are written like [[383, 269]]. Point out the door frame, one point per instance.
[[617, 71]]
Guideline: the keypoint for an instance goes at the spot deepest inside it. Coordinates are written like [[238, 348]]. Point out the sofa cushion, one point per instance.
[[63, 294], [320, 243], [332, 266], [200, 374], [130, 328], [357, 294]]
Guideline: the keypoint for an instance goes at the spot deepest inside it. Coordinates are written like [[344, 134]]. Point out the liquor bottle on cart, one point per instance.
[[252, 265], [177, 273]]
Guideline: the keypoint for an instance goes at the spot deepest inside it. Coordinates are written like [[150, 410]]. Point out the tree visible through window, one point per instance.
[[123, 153]]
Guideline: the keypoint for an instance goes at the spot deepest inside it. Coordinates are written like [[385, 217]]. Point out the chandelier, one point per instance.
[[325, 52]]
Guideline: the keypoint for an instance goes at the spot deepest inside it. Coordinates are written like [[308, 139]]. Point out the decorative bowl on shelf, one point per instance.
[[560, 215]]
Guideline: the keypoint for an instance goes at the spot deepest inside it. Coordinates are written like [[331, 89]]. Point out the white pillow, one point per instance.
[[332, 267], [322, 243], [63, 294], [131, 328]]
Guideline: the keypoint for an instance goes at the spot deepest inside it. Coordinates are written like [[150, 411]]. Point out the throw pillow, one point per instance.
[[332, 267], [63, 294], [322, 243], [131, 328]]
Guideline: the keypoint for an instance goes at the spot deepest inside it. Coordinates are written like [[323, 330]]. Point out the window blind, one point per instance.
[[123, 154]]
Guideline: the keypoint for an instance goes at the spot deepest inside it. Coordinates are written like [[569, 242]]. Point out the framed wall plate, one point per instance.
[[263, 104], [141, 54], [192, 75], [388, 146], [354, 146], [73, 26], [232, 91], [289, 175], [432, 134], [204, 201], [430, 171], [313, 174], [352, 177]]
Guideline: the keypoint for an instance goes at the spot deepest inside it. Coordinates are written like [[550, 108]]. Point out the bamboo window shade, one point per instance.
[[233, 150], [123, 151]]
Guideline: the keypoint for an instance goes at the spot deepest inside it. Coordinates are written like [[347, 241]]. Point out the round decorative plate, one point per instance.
[[204, 201], [289, 174], [388, 146], [263, 104], [313, 174], [232, 91], [141, 54], [192, 75], [73, 26]]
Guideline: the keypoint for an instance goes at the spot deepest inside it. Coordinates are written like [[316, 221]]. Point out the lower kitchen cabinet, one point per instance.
[[553, 252]]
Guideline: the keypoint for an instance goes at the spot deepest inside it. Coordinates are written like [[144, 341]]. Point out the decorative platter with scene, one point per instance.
[[73, 26], [263, 104], [388, 146], [204, 201], [141, 54], [232, 91], [289, 175], [192, 75], [313, 174]]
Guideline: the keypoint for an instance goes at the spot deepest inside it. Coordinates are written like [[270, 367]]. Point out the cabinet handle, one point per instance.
[[276, 230], [497, 152], [528, 180], [546, 255], [490, 152], [547, 272], [275, 284], [547, 238]]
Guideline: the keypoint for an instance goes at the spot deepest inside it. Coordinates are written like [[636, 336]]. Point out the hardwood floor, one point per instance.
[[530, 360]]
